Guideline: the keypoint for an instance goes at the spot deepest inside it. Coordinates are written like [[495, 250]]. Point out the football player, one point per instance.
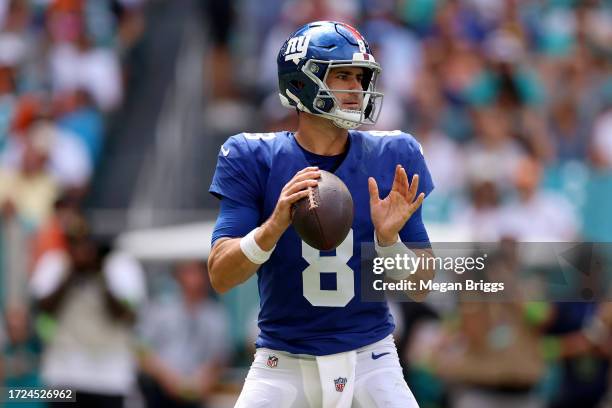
[[319, 344]]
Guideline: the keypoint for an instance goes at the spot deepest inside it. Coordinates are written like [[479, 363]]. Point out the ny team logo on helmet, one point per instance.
[[305, 60]]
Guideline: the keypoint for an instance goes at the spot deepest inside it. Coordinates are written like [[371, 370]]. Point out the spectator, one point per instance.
[[92, 302], [482, 217], [493, 360], [494, 151], [184, 343], [28, 191], [50, 236], [569, 129], [75, 62], [577, 386], [492, 357], [77, 114], [68, 161], [13, 33], [444, 157], [220, 19], [537, 215]]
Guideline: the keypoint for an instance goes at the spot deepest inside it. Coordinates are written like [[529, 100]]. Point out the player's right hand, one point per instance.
[[294, 190]]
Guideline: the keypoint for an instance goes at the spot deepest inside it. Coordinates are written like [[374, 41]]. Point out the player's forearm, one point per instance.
[[390, 246], [425, 273], [228, 266], [386, 240], [269, 233]]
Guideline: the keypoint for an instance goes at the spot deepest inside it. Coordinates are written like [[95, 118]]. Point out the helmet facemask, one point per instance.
[[327, 105]]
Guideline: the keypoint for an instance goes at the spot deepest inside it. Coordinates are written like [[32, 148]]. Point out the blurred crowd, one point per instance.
[[61, 76], [510, 99], [74, 311], [68, 302]]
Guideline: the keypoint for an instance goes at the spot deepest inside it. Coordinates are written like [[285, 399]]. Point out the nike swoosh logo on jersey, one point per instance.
[[225, 151], [377, 356]]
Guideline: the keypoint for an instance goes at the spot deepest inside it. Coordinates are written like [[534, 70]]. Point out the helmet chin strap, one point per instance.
[[345, 124], [346, 119]]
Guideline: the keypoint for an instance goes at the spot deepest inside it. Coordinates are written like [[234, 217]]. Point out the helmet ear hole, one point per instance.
[[323, 103]]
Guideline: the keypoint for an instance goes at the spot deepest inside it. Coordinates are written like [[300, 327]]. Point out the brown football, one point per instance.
[[324, 218]]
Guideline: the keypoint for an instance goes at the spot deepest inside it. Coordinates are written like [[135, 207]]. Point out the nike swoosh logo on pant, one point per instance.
[[377, 356]]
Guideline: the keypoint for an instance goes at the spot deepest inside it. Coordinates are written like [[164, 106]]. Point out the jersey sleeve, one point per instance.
[[234, 220], [417, 165], [414, 231], [236, 175]]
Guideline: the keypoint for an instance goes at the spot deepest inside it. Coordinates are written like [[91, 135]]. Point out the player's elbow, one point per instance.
[[213, 269], [219, 286], [215, 277], [227, 265]]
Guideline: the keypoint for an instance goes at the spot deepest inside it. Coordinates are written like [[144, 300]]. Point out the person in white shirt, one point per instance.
[[537, 215], [92, 300]]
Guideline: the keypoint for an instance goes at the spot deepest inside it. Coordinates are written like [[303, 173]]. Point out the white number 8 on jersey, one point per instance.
[[317, 264]]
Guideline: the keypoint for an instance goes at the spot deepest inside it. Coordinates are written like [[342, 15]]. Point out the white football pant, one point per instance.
[[370, 377]]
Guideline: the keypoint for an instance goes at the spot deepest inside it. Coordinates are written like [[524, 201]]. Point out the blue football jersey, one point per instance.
[[310, 299]]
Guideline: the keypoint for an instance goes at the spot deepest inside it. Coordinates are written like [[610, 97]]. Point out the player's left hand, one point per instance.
[[390, 214]]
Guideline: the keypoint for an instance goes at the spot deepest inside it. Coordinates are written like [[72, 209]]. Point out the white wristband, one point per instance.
[[390, 252], [251, 250]]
